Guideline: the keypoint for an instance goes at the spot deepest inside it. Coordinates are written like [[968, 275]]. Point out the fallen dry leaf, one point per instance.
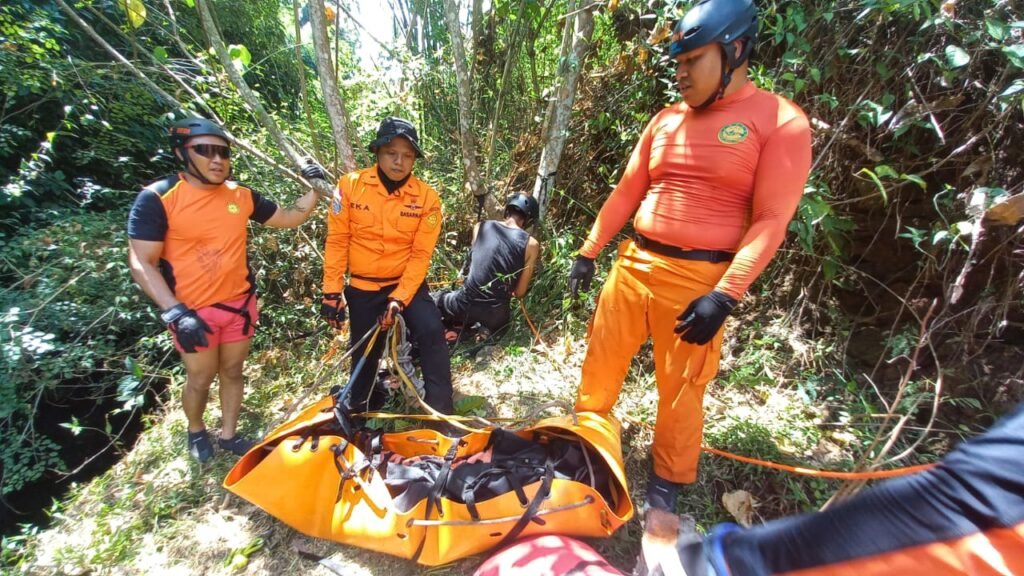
[[740, 504]]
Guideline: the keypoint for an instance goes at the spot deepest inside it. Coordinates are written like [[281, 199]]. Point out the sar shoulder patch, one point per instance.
[[433, 219], [733, 133]]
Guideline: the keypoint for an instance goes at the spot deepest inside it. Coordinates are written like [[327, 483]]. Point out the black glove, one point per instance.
[[332, 309], [581, 275], [394, 307], [312, 171], [704, 316], [189, 329]]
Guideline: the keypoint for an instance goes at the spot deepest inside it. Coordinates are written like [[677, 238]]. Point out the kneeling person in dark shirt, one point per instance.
[[501, 263]]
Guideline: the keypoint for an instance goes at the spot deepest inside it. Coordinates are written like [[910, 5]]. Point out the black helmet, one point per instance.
[[525, 205], [391, 127], [721, 21], [181, 131], [184, 130]]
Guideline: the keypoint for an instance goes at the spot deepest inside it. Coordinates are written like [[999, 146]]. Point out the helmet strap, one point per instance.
[[729, 65], [723, 82]]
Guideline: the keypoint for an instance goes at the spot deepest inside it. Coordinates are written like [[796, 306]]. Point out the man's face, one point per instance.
[[207, 156], [396, 158], [698, 73]]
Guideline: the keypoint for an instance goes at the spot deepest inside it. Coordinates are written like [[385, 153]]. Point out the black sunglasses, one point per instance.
[[211, 150]]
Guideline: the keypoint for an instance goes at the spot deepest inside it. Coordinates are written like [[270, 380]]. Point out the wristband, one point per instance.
[[173, 313]]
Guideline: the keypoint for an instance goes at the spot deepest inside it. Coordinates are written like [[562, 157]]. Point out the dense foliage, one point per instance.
[[890, 280]]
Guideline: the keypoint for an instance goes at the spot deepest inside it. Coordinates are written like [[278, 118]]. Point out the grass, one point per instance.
[[158, 512]]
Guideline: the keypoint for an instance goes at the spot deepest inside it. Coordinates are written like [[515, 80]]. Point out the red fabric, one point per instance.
[[227, 326], [550, 555]]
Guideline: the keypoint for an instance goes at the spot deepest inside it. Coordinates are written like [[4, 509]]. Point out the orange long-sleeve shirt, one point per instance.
[[379, 238], [726, 178]]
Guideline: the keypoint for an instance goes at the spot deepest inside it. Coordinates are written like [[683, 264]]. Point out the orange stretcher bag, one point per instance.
[[433, 499]]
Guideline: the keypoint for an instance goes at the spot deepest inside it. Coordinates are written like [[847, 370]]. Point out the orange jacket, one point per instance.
[[725, 178], [380, 239]]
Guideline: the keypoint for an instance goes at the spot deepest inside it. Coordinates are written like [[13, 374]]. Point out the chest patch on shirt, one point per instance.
[[733, 133], [233, 208]]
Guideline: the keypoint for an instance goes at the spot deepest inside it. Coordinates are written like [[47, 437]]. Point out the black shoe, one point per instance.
[[661, 494], [199, 446], [238, 445]]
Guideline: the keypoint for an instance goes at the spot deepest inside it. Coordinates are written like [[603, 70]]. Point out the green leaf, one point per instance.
[[1015, 54], [878, 183], [190, 3], [1015, 88], [996, 29], [915, 179], [136, 12], [956, 56], [468, 405], [160, 53], [885, 171], [239, 53]]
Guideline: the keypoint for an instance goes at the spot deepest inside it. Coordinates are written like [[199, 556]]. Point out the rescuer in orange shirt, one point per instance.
[[187, 251], [714, 182], [382, 227]]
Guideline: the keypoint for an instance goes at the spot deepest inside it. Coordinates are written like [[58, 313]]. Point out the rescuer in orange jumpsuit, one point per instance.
[[382, 228], [714, 182]]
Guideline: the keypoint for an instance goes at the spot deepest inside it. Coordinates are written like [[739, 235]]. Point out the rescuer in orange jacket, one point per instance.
[[714, 182], [382, 227]]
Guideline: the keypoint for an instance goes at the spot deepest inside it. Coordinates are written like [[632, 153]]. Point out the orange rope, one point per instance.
[[866, 475], [831, 474], [529, 322]]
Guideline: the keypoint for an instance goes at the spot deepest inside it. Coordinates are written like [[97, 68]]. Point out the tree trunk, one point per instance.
[[510, 58], [469, 164], [557, 123], [303, 89], [329, 86]]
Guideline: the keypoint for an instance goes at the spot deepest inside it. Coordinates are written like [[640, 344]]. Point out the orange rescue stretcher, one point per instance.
[[431, 498]]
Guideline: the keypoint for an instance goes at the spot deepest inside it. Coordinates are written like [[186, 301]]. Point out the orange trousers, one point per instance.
[[642, 297]]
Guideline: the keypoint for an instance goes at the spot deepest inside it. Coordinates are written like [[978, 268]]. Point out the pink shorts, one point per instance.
[[227, 326]]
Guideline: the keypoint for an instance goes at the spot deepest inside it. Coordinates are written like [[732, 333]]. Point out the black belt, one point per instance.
[[713, 256], [372, 279]]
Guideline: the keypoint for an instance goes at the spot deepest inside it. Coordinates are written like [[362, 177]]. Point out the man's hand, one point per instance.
[[189, 329], [394, 307], [313, 171], [581, 275], [332, 309], [701, 320]]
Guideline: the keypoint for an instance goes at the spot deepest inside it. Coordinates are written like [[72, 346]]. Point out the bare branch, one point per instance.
[[329, 86]]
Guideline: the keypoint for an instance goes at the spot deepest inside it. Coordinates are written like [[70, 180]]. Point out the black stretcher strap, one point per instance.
[[532, 509], [435, 495]]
